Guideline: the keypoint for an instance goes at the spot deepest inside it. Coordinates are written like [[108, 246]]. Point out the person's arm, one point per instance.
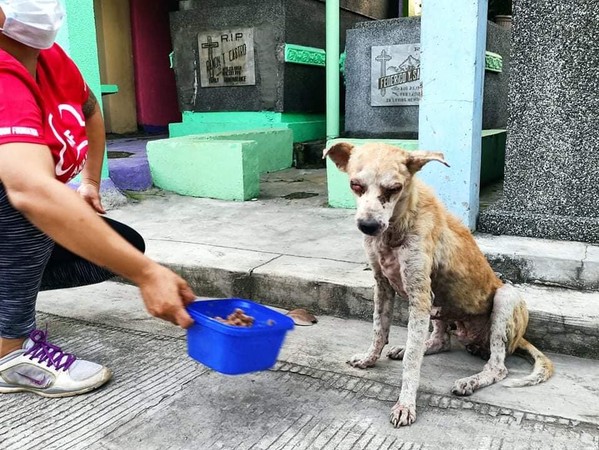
[[27, 172], [89, 188]]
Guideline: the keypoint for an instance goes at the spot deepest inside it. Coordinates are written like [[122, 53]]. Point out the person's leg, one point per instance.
[[24, 252], [28, 362], [66, 270]]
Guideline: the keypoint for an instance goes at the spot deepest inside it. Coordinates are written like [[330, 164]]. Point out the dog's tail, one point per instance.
[[543, 367]]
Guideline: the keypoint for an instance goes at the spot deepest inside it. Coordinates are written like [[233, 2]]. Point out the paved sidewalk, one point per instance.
[[160, 399], [288, 249]]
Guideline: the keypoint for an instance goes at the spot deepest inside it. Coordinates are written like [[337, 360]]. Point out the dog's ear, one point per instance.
[[339, 154], [417, 160]]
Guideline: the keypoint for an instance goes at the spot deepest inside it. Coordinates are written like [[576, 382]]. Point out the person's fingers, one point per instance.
[[97, 204], [187, 294], [166, 296], [92, 196], [183, 319]]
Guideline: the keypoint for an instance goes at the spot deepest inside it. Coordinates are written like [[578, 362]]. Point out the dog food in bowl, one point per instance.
[[237, 318]]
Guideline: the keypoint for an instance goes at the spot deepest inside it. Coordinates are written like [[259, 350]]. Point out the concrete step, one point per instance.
[[296, 252], [573, 265], [561, 320], [290, 217]]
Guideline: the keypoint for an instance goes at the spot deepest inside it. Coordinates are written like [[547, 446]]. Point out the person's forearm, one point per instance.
[[65, 217], [96, 136], [27, 172]]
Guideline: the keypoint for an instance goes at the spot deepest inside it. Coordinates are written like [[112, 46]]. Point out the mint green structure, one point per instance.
[[305, 127], [224, 166], [492, 163], [78, 38], [226, 170], [332, 69], [274, 146], [300, 54]]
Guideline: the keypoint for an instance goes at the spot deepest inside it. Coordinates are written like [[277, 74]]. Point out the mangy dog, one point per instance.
[[419, 250]]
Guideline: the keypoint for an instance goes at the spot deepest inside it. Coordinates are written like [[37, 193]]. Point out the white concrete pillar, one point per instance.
[[453, 40]]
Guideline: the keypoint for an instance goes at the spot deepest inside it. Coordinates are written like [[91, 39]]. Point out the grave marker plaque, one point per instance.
[[227, 57], [369, 114], [395, 76], [271, 83]]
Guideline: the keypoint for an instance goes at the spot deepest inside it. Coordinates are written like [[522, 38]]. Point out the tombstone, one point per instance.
[[551, 187], [383, 85], [230, 55]]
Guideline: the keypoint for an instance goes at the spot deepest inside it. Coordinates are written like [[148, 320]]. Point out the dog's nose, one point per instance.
[[369, 226]]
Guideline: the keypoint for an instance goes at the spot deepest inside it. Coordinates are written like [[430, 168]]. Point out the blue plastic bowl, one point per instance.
[[235, 350]]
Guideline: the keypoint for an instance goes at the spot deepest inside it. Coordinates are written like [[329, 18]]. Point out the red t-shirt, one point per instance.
[[48, 111]]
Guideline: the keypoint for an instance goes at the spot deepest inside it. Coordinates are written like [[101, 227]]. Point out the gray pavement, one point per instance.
[[161, 399]]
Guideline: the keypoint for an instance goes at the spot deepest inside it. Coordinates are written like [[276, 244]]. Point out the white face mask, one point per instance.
[[34, 23]]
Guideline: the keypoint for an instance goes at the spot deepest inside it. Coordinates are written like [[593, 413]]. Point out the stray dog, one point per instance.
[[421, 252]]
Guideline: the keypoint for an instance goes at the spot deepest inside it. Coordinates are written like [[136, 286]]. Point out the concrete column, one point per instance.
[[552, 155], [78, 37], [450, 117], [332, 68]]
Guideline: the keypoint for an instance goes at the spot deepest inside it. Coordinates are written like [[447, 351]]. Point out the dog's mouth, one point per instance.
[[371, 227]]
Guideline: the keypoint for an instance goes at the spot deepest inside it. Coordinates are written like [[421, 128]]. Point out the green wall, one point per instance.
[[78, 38]]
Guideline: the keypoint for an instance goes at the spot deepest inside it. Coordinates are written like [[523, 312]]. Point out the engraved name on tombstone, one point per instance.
[[227, 57], [395, 79]]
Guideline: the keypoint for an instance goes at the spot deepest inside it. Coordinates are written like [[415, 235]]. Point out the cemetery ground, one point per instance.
[[289, 250]]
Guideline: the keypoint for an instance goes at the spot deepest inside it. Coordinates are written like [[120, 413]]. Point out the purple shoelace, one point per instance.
[[51, 354]]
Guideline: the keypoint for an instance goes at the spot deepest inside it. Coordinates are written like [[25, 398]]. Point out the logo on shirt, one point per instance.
[[71, 136]]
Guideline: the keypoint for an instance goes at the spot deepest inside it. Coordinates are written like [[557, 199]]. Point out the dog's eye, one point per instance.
[[357, 187], [395, 189]]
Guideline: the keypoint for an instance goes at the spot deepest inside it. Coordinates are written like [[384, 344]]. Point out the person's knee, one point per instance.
[[133, 237], [128, 233], [138, 241]]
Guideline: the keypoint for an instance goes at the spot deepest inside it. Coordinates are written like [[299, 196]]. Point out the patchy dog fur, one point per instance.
[[421, 252]]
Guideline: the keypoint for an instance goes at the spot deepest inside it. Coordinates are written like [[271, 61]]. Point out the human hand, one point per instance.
[[90, 192], [166, 294]]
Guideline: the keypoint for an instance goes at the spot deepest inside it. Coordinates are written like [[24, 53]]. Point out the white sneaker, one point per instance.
[[45, 369]]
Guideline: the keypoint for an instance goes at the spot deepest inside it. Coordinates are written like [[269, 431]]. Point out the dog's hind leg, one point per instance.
[[384, 296], [439, 339], [437, 342], [508, 323]]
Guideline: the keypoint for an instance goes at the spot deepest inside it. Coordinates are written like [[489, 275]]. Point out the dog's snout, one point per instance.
[[369, 226]]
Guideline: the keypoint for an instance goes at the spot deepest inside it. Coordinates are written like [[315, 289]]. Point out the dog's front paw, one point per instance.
[[403, 415], [361, 361], [396, 353], [465, 386]]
